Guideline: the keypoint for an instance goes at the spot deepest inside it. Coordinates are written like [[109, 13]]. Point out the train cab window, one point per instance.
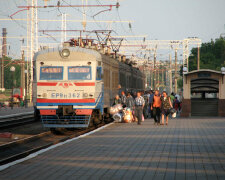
[[51, 73], [79, 73], [99, 73]]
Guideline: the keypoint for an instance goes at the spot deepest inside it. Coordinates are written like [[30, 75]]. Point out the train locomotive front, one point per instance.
[[68, 87]]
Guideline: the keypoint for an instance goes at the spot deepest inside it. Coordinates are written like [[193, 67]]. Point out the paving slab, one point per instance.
[[188, 148]]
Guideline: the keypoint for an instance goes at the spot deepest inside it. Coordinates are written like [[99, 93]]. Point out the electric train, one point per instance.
[[74, 87]]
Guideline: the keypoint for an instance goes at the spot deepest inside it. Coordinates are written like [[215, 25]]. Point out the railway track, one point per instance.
[[16, 119], [21, 148]]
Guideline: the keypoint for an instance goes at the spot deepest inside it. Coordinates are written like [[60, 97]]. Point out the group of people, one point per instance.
[[150, 104]]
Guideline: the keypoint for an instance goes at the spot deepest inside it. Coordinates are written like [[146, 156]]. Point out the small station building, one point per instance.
[[203, 93]]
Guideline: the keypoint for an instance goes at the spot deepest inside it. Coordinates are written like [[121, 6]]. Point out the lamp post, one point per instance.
[[12, 69], [223, 70], [25, 100]]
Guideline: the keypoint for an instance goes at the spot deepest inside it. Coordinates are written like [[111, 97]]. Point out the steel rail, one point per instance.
[[21, 148], [16, 119]]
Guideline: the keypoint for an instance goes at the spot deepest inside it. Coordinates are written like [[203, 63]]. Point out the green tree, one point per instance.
[[212, 55], [8, 77]]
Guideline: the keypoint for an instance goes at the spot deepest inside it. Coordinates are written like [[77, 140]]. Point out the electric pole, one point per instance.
[[63, 33], [23, 72], [170, 74], [158, 77], [163, 77], [175, 73], [4, 53], [198, 62], [151, 74], [154, 70]]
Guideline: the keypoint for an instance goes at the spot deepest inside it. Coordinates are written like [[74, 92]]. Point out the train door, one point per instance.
[[99, 98]]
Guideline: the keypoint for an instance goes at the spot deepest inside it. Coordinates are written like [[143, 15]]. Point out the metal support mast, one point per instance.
[[175, 73], [185, 53], [198, 61], [154, 70], [32, 39], [22, 76], [170, 74], [4, 53], [84, 22], [63, 33]]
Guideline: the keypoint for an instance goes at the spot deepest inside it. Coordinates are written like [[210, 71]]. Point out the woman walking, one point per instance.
[[166, 105]]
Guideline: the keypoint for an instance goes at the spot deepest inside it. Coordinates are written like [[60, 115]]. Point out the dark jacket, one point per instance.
[[116, 101], [130, 102]]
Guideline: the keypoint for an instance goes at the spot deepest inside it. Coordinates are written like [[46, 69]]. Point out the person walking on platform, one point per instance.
[[172, 97], [156, 105], [139, 105], [145, 110], [117, 100], [123, 98], [151, 96], [130, 102], [166, 105]]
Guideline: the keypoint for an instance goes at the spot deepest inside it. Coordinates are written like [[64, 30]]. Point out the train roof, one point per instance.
[[90, 51], [72, 49]]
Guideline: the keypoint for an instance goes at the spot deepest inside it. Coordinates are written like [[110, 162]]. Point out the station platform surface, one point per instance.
[[192, 148], [16, 110]]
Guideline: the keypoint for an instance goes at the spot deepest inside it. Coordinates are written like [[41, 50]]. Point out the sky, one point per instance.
[[159, 19], [176, 19]]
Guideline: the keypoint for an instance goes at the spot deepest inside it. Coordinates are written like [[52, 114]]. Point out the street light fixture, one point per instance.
[[223, 70], [12, 69], [184, 70]]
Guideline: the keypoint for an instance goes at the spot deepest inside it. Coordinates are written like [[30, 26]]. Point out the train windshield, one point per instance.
[[79, 73], [51, 73]]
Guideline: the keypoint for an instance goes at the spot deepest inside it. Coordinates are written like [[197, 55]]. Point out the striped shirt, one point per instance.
[[139, 101]]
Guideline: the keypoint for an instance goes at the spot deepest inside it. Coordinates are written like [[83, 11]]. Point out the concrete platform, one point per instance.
[[15, 110], [186, 149]]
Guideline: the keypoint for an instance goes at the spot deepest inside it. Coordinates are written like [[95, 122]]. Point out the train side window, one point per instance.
[[99, 73]]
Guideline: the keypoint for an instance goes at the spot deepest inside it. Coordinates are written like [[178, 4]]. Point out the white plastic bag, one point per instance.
[[174, 115], [115, 109], [117, 117]]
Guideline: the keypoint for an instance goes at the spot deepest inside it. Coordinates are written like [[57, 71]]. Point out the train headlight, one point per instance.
[[85, 95], [65, 53]]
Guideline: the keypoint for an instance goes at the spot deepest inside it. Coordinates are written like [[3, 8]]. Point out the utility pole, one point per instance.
[[32, 39], [170, 74], [154, 70], [23, 72], [198, 62], [63, 33], [2, 72], [158, 77], [175, 73], [4, 53], [151, 74], [84, 22], [166, 80]]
